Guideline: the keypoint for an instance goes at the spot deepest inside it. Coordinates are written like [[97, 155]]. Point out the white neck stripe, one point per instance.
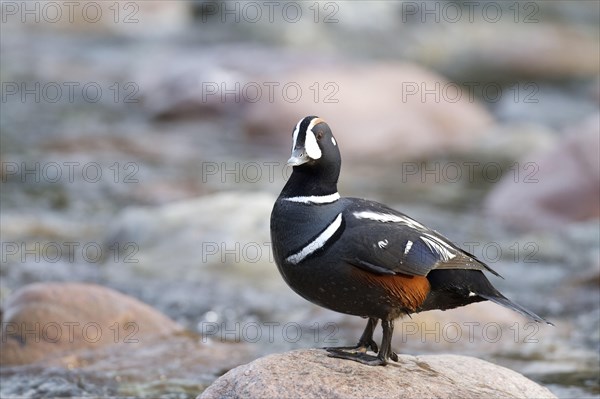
[[315, 199], [387, 218], [317, 243]]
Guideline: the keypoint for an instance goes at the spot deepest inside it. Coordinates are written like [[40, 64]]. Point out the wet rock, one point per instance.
[[46, 319], [312, 373], [561, 185], [401, 110]]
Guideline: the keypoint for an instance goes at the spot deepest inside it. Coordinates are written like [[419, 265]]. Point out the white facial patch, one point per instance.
[[317, 243], [310, 141], [311, 145], [333, 141]]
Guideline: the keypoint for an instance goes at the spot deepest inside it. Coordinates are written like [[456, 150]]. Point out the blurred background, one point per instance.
[[143, 144]]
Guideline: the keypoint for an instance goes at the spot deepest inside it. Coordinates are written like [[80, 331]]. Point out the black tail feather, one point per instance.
[[502, 300], [451, 288]]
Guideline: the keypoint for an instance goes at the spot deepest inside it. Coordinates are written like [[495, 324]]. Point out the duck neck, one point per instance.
[[311, 180]]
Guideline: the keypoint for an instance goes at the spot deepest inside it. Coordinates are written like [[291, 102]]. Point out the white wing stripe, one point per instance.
[[387, 218], [435, 244], [438, 246]]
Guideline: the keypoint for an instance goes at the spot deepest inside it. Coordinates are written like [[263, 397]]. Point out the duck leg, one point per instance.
[[386, 351], [384, 354], [364, 343]]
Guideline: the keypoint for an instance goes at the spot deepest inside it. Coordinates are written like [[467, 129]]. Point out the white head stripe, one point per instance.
[[295, 135], [317, 243], [387, 218], [315, 199]]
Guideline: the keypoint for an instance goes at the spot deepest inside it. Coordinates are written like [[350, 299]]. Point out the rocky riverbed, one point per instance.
[[161, 187]]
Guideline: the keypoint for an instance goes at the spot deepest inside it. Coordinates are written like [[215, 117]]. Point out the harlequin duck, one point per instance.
[[363, 258]]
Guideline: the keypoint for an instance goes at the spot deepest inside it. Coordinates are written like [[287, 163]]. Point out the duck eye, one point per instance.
[[319, 135]]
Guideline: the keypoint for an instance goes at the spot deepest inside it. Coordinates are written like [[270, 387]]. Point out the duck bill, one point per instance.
[[298, 157]]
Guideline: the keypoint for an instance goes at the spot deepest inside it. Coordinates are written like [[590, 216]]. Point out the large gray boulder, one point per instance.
[[311, 373]]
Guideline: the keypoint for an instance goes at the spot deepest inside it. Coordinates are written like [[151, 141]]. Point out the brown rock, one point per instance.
[[311, 373], [46, 319], [557, 186], [390, 110]]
